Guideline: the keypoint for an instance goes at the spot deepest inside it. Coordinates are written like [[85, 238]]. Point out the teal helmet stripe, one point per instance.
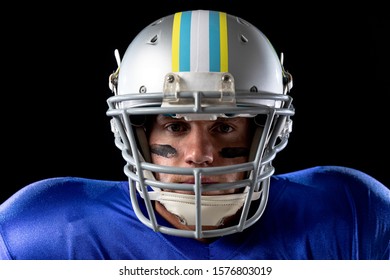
[[214, 42], [185, 41]]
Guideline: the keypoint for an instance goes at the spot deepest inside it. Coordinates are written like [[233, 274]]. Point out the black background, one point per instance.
[[57, 59]]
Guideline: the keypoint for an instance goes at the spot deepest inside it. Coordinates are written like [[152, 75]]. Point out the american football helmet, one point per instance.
[[200, 65]]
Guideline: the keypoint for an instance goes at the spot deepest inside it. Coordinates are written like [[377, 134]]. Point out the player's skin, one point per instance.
[[181, 143]]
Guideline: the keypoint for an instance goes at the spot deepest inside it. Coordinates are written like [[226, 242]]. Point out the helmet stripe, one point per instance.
[[200, 42], [175, 42], [218, 42], [181, 42], [208, 28], [223, 43], [215, 49]]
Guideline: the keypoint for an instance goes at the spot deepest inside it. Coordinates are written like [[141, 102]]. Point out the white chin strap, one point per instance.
[[214, 208]]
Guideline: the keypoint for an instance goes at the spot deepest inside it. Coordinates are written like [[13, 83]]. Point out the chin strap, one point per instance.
[[214, 208]]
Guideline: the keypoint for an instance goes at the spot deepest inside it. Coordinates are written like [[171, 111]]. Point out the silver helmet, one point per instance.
[[200, 65]]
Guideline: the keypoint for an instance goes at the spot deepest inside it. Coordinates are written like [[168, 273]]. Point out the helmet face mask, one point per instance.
[[179, 67]]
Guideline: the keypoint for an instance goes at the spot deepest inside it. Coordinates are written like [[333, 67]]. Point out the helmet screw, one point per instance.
[[170, 78], [142, 89], [225, 78]]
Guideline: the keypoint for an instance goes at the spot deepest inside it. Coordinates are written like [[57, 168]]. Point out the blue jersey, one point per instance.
[[318, 213]]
